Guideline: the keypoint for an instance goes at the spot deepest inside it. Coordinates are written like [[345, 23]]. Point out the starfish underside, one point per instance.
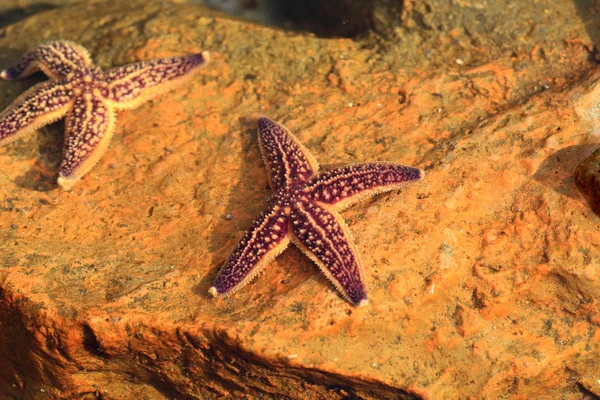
[[305, 211], [87, 96]]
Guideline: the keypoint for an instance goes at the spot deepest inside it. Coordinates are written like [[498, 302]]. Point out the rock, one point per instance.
[[345, 18], [483, 281], [587, 179], [12, 11]]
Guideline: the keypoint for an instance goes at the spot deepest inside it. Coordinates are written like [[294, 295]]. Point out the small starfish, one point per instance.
[[87, 96], [304, 210]]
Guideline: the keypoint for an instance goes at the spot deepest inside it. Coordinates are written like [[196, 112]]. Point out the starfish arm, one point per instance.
[[55, 59], [41, 105], [286, 159], [89, 127], [131, 85], [344, 186], [266, 239], [324, 238]]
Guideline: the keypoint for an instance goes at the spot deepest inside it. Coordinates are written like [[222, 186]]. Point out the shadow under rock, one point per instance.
[[16, 14], [340, 18], [589, 13], [556, 171]]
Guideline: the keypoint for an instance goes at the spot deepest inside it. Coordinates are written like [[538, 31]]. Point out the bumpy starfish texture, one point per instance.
[[87, 96], [305, 210]]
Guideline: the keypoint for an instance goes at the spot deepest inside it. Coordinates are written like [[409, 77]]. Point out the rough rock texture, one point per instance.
[[483, 280]]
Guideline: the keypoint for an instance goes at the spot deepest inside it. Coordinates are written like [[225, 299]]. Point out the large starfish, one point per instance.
[[304, 210], [87, 96]]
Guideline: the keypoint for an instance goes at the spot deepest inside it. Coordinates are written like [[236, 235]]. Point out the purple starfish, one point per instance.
[[304, 210], [87, 96]]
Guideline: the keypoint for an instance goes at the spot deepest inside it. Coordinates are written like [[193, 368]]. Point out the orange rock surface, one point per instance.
[[483, 280]]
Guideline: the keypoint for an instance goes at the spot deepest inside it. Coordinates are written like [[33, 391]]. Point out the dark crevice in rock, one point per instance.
[[340, 18], [587, 394], [167, 389], [91, 343]]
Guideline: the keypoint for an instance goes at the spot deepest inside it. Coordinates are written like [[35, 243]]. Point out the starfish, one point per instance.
[[87, 96], [305, 210]]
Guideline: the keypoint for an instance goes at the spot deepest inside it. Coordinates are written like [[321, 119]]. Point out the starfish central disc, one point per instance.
[[305, 210], [87, 96]]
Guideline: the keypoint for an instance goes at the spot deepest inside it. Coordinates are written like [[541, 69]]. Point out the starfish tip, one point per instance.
[[363, 303], [213, 292], [205, 56], [4, 74], [264, 121], [66, 183]]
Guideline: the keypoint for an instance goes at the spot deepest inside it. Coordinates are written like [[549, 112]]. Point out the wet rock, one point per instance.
[[346, 18], [587, 179], [12, 11], [483, 281]]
